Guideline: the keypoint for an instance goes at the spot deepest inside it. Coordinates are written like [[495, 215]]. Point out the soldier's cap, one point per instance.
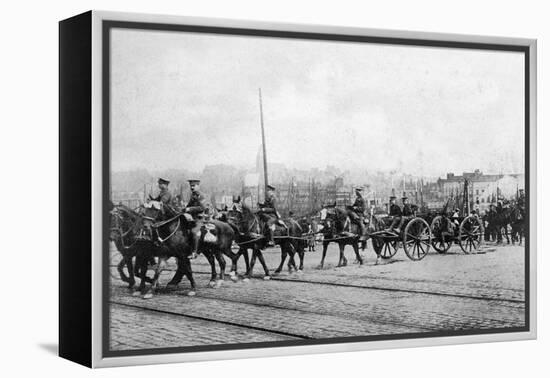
[[290, 213], [392, 197], [270, 187], [358, 189], [163, 181], [194, 181], [404, 198]]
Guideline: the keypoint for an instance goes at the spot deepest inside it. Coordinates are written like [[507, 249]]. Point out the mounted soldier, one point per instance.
[[197, 202], [357, 212], [164, 195], [269, 214]]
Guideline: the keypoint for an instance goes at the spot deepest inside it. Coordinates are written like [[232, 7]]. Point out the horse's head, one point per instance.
[[235, 214], [328, 218], [151, 212], [116, 222]]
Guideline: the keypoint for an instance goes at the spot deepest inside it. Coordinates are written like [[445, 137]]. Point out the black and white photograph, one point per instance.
[[272, 189]]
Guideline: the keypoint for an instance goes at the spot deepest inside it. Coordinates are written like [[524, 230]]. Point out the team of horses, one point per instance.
[[154, 233], [508, 222]]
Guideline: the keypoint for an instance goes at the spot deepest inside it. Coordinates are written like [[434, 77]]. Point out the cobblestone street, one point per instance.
[[440, 293]]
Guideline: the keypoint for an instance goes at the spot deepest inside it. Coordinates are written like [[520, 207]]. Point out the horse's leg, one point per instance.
[[342, 261], [158, 270], [120, 268], [291, 262], [186, 264], [180, 272], [357, 255], [212, 263], [233, 274], [244, 252], [141, 272], [322, 263], [255, 253], [258, 252], [221, 263], [130, 267], [283, 258]]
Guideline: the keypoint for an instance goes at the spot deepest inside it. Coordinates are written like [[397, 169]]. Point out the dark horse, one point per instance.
[[125, 224], [338, 228], [249, 235], [214, 238], [498, 223], [166, 234]]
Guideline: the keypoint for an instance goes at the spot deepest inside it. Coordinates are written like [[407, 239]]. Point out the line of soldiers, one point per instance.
[[357, 212], [197, 205]]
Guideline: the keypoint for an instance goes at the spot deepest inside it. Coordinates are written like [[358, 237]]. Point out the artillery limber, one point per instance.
[[415, 237]]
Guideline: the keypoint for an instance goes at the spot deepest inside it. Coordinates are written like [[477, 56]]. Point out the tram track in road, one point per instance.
[[502, 301], [390, 289], [207, 319]]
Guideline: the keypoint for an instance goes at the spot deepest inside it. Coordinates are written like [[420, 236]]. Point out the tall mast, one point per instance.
[[263, 142]]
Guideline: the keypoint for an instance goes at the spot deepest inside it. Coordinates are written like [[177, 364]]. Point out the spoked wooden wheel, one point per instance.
[[470, 234], [388, 248], [417, 239], [441, 241]]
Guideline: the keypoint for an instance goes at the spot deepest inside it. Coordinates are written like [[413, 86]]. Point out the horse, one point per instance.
[[214, 238], [124, 225], [499, 223], [337, 227], [248, 235], [166, 234], [292, 241]]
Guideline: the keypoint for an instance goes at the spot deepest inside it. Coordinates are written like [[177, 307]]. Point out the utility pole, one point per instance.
[[263, 143]]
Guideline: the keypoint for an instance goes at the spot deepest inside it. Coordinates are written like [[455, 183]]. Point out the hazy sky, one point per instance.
[[185, 100]]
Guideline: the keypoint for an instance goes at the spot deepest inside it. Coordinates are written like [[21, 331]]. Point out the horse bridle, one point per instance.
[[122, 234]]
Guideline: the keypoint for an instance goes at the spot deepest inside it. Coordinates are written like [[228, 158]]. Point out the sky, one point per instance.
[[186, 100]]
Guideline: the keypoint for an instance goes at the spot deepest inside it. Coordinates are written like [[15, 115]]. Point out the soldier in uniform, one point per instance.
[[396, 213], [197, 203], [357, 212], [407, 208], [164, 195], [269, 214]]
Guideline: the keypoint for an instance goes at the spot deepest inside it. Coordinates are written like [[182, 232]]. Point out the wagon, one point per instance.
[[467, 232], [415, 237]]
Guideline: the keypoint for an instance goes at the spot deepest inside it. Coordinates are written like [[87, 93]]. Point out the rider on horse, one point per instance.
[[196, 207], [269, 215], [357, 211], [197, 203], [164, 195]]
